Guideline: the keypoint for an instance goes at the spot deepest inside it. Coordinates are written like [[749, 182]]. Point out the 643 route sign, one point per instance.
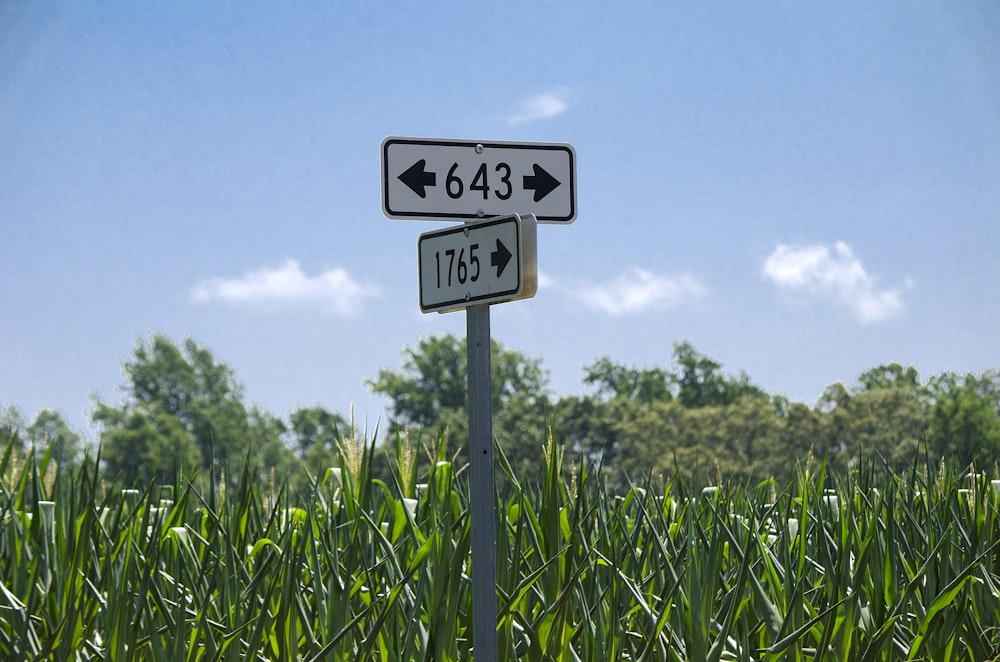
[[481, 262], [433, 178]]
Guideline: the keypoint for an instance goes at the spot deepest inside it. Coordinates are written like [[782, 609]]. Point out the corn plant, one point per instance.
[[860, 566]]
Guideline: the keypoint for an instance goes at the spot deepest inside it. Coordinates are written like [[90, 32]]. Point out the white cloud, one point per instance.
[[540, 107], [818, 271], [546, 282], [334, 290], [637, 290]]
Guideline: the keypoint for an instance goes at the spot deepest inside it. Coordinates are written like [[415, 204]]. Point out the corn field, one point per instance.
[[865, 566]]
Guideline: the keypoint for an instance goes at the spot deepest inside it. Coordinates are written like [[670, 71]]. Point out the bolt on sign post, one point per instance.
[[503, 190]]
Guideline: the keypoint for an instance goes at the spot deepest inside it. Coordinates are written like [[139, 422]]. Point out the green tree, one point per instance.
[[429, 394], [264, 442], [834, 442], [12, 427], [700, 382], [617, 381], [964, 420], [800, 429], [666, 438], [591, 424], [751, 440], [889, 423], [521, 428], [743, 440], [431, 382], [434, 381], [314, 433], [889, 376], [646, 418], [315, 425], [49, 429], [183, 408], [887, 415], [140, 443]]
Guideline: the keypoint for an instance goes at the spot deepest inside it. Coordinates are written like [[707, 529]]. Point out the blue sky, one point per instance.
[[801, 191]]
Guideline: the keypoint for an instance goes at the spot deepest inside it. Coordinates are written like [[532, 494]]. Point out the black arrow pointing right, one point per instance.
[[416, 178], [542, 183], [499, 258]]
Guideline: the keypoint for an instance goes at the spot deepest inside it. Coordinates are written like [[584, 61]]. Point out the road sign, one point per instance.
[[434, 178], [478, 263]]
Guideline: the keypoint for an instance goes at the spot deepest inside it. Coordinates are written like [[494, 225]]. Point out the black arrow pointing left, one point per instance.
[[499, 258], [417, 178]]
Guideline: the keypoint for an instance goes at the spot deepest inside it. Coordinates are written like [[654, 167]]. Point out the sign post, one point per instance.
[[482, 500], [490, 259], [471, 266]]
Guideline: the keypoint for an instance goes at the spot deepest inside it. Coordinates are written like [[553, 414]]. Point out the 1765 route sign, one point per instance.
[[435, 178], [478, 263]]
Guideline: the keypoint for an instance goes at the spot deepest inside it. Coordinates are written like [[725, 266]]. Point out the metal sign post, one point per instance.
[[472, 266], [502, 190], [482, 495]]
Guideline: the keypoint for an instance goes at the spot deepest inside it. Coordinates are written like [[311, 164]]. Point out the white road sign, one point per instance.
[[478, 263], [433, 178]]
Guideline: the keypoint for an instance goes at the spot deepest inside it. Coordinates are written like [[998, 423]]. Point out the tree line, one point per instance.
[[186, 411]]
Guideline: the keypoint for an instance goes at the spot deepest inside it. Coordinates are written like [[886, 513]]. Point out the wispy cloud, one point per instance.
[[637, 290], [540, 106], [546, 282], [816, 270], [334, 290]]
